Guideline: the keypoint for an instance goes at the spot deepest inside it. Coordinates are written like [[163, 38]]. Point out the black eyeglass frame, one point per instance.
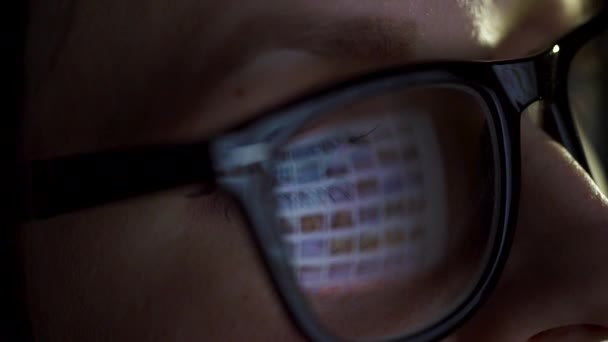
[[67, 184]]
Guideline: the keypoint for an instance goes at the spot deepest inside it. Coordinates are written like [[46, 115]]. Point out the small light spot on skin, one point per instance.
[[489, 21]]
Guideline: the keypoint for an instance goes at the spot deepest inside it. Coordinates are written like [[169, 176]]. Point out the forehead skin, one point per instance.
[[166, 267], [116, 73]]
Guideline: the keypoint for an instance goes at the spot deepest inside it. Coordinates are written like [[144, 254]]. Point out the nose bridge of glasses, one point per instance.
[[519, 82]]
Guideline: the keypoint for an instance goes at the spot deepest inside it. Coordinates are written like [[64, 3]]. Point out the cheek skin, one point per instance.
[[122, 274], [555, 275]]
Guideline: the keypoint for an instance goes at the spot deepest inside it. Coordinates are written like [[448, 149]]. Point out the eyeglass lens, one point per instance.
[[386, 208]]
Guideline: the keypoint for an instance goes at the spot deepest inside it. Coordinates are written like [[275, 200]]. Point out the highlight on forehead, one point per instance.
[[493, 20]]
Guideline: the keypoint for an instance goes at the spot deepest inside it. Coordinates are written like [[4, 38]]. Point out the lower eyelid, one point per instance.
[[204, 189]]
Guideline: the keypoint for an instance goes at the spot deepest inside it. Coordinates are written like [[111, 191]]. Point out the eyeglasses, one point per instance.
[[384, 207]]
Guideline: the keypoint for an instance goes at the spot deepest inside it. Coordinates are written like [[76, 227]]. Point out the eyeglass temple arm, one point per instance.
[[67, 184]]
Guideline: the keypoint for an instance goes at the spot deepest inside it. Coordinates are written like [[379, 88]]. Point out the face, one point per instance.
[[174, 267]]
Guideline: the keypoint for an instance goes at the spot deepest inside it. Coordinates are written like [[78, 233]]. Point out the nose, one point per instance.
[[557, 272]]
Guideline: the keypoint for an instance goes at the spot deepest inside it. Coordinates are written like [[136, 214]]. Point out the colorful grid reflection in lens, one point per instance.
[[359, 210]]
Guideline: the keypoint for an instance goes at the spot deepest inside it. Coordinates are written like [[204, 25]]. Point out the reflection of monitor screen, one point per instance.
[[354, 213]]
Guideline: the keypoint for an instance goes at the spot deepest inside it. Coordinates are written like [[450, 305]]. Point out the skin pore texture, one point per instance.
[[168, 267]]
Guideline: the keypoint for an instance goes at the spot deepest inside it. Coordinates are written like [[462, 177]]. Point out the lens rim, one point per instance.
[[274, 130]]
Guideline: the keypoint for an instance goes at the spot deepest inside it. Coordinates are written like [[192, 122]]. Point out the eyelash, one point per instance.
[[354, 140]]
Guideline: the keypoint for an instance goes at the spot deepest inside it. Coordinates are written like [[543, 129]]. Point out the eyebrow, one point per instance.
[[362, 38]]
